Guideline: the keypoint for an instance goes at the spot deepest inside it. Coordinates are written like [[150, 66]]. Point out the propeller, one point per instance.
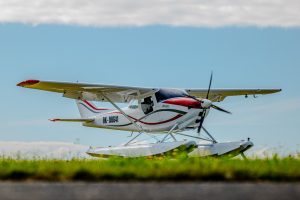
[[201, 121], [206, 104], [220, 109], [210, 81]]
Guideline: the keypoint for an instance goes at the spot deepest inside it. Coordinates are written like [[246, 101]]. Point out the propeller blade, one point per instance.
[[220, 109], [201, 121], [210, 81], [204, 111]]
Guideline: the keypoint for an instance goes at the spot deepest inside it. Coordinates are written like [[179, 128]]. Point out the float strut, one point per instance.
[[170, 133], [133, 139]]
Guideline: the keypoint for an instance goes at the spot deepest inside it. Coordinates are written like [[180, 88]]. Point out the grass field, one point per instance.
[[180, 169]]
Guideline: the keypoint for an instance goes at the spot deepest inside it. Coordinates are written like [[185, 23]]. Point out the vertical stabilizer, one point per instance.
[[88, 109]]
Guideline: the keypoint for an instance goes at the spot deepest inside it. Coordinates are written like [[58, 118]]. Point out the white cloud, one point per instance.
[[211, 13], [42, 150]]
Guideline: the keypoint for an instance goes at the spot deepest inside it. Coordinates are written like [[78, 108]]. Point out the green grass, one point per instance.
[[180, 169]]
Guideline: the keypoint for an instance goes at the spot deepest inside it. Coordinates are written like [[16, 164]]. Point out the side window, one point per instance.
[[134, 104], [147, 105]]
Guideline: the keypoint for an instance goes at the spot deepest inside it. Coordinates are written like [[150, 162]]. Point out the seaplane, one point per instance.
[[167, 112]]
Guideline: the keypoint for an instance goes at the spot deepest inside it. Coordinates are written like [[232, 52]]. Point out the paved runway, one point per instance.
[[153, 190]]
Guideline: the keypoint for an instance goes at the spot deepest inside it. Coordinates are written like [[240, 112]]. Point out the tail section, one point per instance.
[[88, 109]]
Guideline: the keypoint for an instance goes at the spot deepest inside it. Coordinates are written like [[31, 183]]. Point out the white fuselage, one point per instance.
[[163, 116]]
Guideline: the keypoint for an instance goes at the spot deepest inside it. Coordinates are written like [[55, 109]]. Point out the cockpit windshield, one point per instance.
[[164, 94]]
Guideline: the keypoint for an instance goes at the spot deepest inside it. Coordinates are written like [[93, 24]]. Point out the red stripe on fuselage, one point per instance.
[[93, 107], [184, 101]]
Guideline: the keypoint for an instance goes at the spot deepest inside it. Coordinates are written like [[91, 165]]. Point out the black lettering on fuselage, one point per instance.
[[104, 120], [113, 119], [110, 119]]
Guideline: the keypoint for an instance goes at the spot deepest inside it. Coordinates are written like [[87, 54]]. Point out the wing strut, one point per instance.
[[140, 129], [123, 113]]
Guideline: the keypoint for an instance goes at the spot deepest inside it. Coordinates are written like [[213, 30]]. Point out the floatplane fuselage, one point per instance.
[[150, 111], [157, 113]]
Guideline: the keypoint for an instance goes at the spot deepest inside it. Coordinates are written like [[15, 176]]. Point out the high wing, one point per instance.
[[123, 94], [90, 92], [220, 94]]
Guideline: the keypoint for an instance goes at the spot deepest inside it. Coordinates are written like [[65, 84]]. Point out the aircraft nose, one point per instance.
[[205, 103]]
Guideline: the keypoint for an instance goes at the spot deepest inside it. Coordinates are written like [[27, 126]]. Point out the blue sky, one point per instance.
[[152, 56]]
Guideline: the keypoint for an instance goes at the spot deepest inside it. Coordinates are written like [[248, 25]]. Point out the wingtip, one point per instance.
[[28, 83], [53, 120]]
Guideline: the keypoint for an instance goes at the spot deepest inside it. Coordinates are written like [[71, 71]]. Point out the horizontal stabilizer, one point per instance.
[[71, 120]]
